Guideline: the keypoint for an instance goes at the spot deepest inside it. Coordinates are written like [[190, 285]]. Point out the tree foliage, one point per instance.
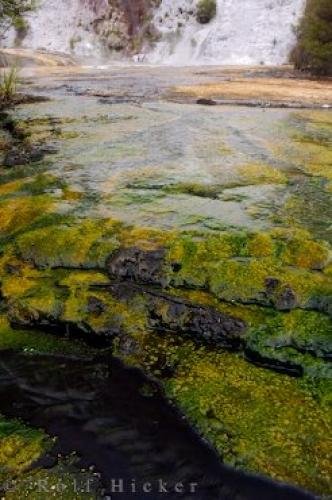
[[11, 13], [313, 51], [206, 10]]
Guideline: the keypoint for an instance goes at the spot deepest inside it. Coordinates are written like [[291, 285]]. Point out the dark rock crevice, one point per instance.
[[20, 150]]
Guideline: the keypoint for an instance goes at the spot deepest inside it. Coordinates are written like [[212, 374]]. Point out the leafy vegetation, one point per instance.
[[206, 10], [314, 48], [11, 14]]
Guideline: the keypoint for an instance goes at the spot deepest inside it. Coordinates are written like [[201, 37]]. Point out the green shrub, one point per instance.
[[206, 10], [313, 51]]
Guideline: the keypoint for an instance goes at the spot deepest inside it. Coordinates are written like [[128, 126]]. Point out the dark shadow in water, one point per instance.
[[117, 420]]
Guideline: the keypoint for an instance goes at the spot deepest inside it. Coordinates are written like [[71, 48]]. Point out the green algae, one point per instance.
[[312, 139], [297, 339], [9, 188], [98, 310], [243, 175], [60, 481], [235, 266], [127, 197], [195, 189], [18, 212], [304, 331], [258, 420], [145, 238], [43, 182], [81, 245], [228, 399], [309, 207], [252, 315], [257, 173], [36, 342], [212, 388], [20, 446]]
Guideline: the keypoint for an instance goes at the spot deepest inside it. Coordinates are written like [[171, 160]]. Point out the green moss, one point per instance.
[[289, 336], [60, 481], [195, 189], [86, 244], [20, 446], [145, 238], [108, 313], [258, 420], [19, 212], [36, 342], [245, 175], [257, 173], [9, 188], [234, 266]]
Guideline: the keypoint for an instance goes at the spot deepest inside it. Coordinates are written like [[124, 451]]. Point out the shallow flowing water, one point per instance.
[[122, 144]]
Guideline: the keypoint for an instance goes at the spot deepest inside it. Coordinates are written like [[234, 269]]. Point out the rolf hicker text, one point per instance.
[[114, 486]]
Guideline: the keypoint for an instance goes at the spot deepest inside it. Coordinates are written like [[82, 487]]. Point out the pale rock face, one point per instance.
[[61, 25], [243, 31], [74, 26]]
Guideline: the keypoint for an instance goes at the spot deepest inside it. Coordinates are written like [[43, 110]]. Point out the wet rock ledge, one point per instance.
[[226, 290]]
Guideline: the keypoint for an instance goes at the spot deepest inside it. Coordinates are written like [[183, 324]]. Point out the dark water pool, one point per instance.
[[118, 421]]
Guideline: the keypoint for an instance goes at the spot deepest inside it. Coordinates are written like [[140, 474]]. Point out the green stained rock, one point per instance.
[[79, 245], [20, 446], [258, 420], [298, 341], [158, 297], [19, 212], [276, 268], [63, 481], [31, 341]]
